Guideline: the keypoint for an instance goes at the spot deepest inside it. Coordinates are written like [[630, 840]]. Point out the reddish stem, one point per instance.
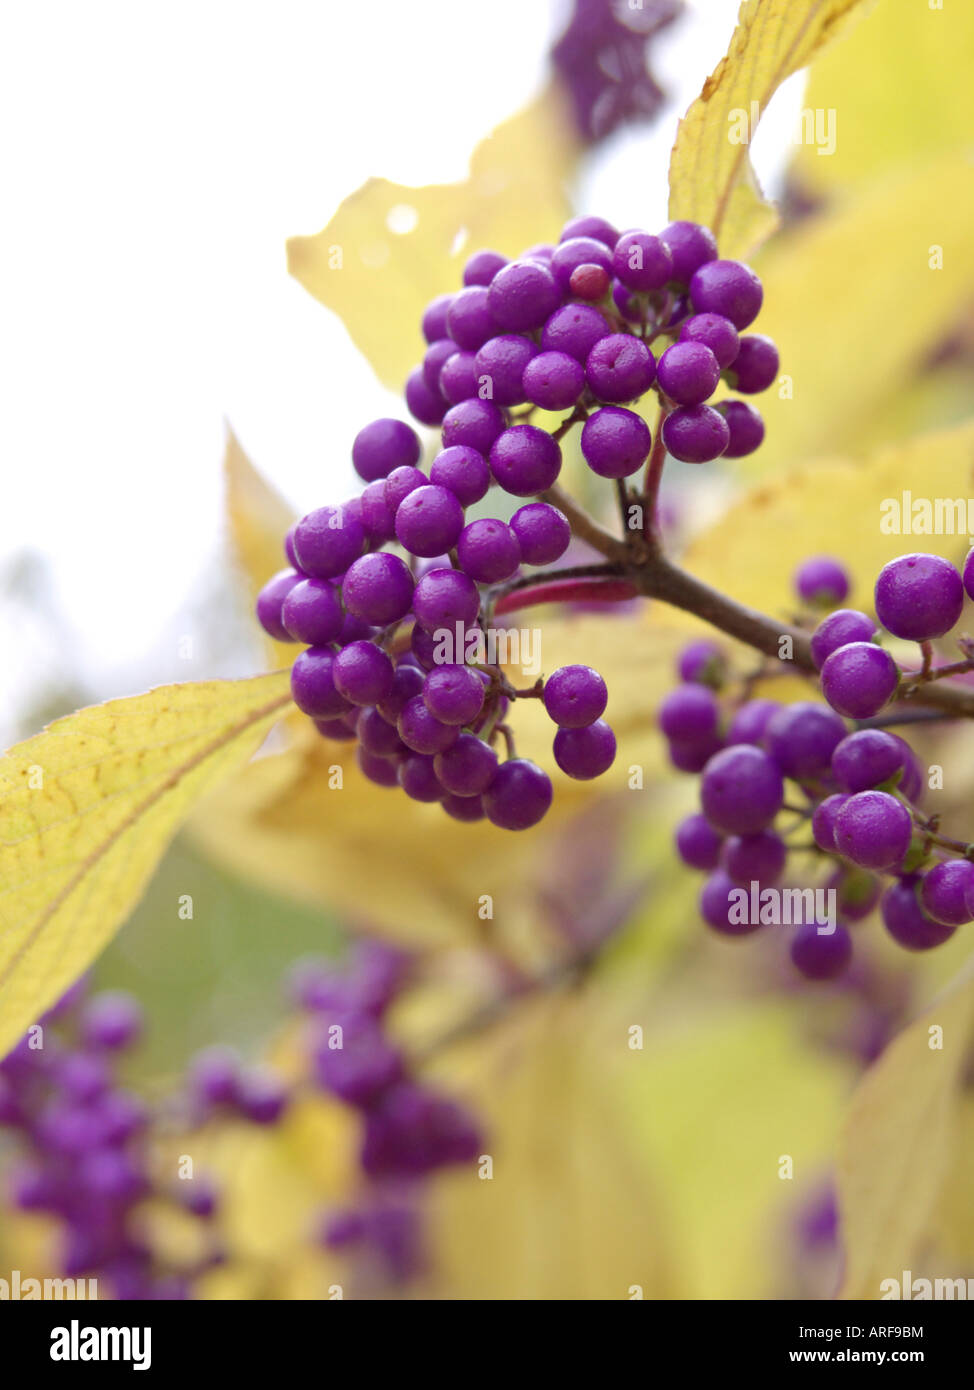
[[610, 590]]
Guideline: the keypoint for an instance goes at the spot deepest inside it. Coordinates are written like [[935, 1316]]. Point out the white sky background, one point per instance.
[[154, 158]]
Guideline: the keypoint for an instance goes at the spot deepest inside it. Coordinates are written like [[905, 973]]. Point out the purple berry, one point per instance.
[[488, 551], [754, 858], [715, 332], [969, 574], [482, 266], [553, 380], [522, 295], [542, 531], [919, 597], [355, 1061], [688, 373], [434, 318], [595, 227], [429, 521], [377, 735], [575, 696], [443, 598], [214, 1076], [690, 246], [905, 919], [717, 909], [620, 368], [399, 484], [381, 771], [500, 364], [378, 588], [327, 540], [823, 820], [688, 713], [434, 359], [363, 673], [454, 694], [820, 955], [475, 423], [865, 759], [822, 581], [458, 377], [574, 329], [729, 288], [469, 320], [425, 404], [695, 434], [418, 778], [377, 516], [525, 460], [698, 843], [615, 442], [111, 1020], [468, 768], [463, 808], [464, 471], [840, 628], [755, 366], [858, 892], [585, 753], [519, 796], [407, 682], [745, 428], [802, 738], [642, 262], [873, 829], [750, 722], [382, 446], [702, 663], [421, 731], [741, 789], [944, 892], [270, 604], [577, 251], [313, 686], [693, 754], [859, 679]]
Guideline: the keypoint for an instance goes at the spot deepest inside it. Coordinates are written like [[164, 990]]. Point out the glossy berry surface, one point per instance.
[[919, 597]]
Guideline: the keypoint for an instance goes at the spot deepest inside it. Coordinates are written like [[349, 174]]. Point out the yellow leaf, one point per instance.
[[570, 1211], [390, 249], [712, 179], [258, 519], [87, 808], [851, 340], [835, 509], [408, 868], [901, 91], [897, 1143]]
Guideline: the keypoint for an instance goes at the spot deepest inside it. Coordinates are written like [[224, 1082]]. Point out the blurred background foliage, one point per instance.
[[614, 1167]]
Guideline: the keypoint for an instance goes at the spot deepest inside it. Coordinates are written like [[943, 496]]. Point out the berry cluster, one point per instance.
[[409, 1131], [86, 1146], [857, 789], [398, 656]]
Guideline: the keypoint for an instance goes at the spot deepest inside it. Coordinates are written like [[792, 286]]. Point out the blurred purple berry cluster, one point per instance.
[[857, 789], [85, 1148], [602, 60], [399, 654], [409, 1130]]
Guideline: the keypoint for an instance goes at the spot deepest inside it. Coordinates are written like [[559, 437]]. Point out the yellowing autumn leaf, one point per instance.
[[570, 1209], [900, 91], [711, 177], [856, 301], [897, 1144], [308, 823], [390, 249], [257, 520], [837, 509], [87, 808]]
